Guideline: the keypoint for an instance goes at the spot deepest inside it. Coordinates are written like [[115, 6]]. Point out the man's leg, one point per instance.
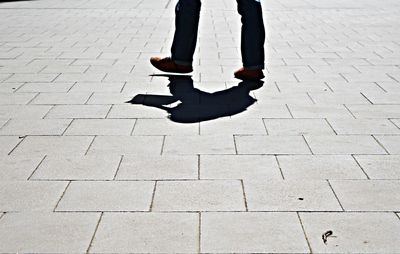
[[187, 15], [253, 34]]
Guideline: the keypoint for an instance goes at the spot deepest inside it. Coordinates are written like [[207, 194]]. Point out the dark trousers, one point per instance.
[[187, 15]]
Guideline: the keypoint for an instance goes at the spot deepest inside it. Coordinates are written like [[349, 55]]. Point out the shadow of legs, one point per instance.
[[196, 105]]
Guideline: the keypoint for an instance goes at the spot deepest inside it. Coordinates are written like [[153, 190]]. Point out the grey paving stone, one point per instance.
[[98, 87], [53, 145], [239, 167], [5, 76], [278, 98], [65, 167], [80, 77], [199, 195], [290, 195], [363, 126], [48, 232], [302, 87], [271, 145], [25, 77], [319, 111], [252, 233], [344, 87], [35, 127], [375, 111], [396, 122], [121, 145], [320, 167], [64, 69], [379, 232], [368, 195], [382, 97], [233, 126], [110, 98], [46, 87], [9, 87], [344, 145], [78, 111], [164, 127], [118, 127], [134, 111], [24, 111], [16, 98], [380, 166], [61, 98], [264, 111], [107, 196], [7, 144], [391, 143], [147, 233], [328, 98], [18, 196], [297, 127], [156, 167], [3, 122], [209, 144], [17, 168]]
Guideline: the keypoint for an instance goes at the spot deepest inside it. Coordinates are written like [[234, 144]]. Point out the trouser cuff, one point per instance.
[[255, 67], [180, 62]]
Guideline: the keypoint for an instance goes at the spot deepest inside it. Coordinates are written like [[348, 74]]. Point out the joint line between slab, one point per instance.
[[304, 232], [62, 195], [94, 233], [334, 193]]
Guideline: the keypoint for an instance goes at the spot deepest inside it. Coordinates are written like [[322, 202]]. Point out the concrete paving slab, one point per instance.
[[203, 195], [320, 167], [271, 145], [90, 167], [297, 127], [100, 127], [17, 168], [8, 143], [53, 145], [123, 145], [290, 195], [157, 167], [19, 196], [368, 195], [19, 127], [380, 166], [147, 233], [78, 111], [249, 167], [344, 145], [206, 144], [378, 232], [93, 196], [252, 233], [391, 143], [48, 232]]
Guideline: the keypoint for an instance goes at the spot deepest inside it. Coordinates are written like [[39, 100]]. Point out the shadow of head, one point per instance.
[[6, 1], [188, 104]]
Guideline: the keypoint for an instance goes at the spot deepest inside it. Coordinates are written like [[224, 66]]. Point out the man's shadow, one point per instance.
[[6, 1], [191, 105]]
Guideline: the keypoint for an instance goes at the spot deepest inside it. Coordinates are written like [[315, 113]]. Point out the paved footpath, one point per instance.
[[249, 169]]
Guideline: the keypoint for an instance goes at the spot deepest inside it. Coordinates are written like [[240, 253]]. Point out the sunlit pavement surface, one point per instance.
[[307, 163]]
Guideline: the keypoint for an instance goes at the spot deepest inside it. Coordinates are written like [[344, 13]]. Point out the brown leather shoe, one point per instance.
[[246, 74], [166, 64]]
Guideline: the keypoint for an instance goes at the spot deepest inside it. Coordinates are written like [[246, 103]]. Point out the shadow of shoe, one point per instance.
[[196, 105]]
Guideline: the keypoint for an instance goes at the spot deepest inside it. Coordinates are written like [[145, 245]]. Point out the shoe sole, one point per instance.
[[250, 78]]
